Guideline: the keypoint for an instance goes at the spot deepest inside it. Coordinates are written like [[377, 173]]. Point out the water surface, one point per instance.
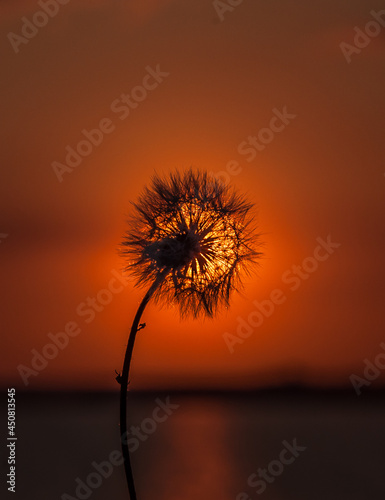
[[206, 449]]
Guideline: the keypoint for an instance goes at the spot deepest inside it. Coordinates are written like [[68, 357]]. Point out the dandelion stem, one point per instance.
[[124, 383]]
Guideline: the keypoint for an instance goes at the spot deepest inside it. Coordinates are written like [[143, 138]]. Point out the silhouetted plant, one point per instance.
[[189, 240]]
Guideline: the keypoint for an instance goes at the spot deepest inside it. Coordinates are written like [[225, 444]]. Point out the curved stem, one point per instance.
[[124, 384]]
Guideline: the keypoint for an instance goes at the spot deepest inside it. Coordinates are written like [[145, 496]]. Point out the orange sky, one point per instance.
[[322, 174]]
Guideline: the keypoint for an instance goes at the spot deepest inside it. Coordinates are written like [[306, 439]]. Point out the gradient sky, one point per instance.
[[323, 174]]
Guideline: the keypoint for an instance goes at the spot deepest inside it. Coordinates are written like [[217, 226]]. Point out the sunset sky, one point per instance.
[[212, 80]]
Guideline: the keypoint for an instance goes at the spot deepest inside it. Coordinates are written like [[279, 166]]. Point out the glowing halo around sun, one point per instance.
[[196, 231]]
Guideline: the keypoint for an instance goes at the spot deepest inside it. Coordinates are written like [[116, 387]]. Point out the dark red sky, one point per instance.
[[322, 174]]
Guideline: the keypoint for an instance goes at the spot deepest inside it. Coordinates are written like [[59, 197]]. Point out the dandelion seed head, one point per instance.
[[197, 232]]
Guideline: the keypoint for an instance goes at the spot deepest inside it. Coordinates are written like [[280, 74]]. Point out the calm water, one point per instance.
[[206, 449]]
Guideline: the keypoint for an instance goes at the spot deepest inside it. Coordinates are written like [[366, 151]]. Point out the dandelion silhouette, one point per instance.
[[188, 242]]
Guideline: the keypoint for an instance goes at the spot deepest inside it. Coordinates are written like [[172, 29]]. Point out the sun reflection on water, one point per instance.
[[196, 462]]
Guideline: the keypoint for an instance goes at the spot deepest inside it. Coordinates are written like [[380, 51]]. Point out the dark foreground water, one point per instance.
[[203, 446]]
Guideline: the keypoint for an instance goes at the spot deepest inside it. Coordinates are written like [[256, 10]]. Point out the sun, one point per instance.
[[198, 234]]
